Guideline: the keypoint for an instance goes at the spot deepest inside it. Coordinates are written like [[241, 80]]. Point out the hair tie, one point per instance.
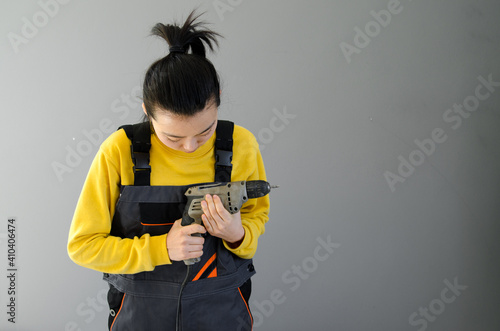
[[176, 49]]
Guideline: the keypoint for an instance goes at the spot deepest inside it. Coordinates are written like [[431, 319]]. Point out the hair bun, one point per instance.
[[191, 37]]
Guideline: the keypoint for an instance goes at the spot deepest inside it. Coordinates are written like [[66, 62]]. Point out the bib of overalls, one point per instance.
[[216, 293]]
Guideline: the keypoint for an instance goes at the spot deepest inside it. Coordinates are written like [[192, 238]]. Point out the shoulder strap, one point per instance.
[[140, 136], [223, 151]]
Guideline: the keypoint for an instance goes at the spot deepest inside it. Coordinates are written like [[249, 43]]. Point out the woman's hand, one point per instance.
[[220, 223], [181, 245]]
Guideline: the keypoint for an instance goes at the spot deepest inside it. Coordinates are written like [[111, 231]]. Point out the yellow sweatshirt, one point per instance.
[[90, 243]]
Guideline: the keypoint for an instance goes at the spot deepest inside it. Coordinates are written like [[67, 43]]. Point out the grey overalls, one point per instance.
[[215, 296]]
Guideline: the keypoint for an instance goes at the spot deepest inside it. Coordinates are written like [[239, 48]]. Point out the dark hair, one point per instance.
[[184, 81]]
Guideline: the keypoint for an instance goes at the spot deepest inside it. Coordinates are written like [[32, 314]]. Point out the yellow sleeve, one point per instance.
[[90, 243], [249, 165]]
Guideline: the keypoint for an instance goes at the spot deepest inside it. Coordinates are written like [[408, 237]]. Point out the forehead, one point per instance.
[[185, 126]]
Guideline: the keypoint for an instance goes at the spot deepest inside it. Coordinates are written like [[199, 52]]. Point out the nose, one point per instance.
[[190, 145]]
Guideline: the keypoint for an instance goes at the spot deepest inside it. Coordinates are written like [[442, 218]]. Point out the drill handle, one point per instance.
[[193, 207], [193, 211], [186, 219]]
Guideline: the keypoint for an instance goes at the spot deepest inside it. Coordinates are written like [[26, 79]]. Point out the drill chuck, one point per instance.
[[258, 188]]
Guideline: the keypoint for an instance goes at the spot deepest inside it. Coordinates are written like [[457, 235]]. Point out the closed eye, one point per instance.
[[204, 133], [174, 140]]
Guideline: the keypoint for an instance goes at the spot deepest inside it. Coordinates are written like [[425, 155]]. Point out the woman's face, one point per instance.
[[184, 133]]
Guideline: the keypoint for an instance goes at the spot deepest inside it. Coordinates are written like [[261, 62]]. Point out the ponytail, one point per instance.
[[184, 82]]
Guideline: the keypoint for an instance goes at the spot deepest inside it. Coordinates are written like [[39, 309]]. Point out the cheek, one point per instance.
[[203, 140]]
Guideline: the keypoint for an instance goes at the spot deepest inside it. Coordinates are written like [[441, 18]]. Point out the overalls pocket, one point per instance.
[[246, 320], [139, 312], [223, 311], [158, 217], [115, 301]]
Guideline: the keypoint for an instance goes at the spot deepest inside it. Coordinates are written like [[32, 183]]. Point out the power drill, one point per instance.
[[232, 194]]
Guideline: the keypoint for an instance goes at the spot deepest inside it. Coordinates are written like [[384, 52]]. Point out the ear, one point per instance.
[[144, 109]]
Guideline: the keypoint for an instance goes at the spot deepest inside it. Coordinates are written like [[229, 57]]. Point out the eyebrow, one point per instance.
[[202, 132]]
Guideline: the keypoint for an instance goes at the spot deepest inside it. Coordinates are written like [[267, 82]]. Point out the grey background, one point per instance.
[[349, 119]]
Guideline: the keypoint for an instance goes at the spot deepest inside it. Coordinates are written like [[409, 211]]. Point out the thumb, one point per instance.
[[177, 223], [195, 228], [189, 229]]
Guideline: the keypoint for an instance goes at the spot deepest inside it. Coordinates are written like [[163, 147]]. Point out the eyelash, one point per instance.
[[174, 141], [177, 140], [206, 133]]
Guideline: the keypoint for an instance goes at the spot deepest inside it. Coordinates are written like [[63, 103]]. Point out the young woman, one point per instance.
[[127, 221]]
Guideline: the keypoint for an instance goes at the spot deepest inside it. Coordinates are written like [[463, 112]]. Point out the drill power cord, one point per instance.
[[178, 326]]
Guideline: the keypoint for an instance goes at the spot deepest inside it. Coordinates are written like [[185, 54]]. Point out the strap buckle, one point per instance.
[[223, 158]]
